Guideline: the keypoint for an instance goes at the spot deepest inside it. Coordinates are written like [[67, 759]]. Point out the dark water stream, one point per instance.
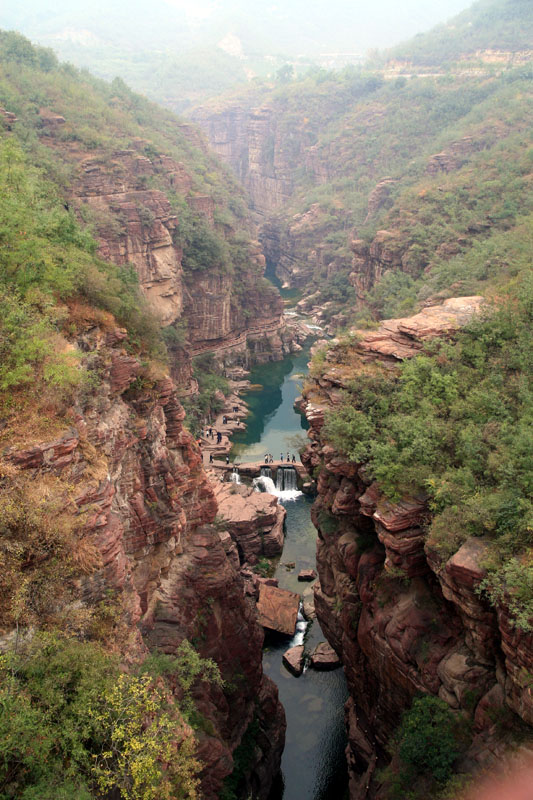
[[313, 764]]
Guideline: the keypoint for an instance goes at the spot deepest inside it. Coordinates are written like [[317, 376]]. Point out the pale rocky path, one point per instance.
[[234, 422]]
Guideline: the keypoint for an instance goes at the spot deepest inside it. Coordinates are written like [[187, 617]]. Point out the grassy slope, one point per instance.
[[487, 25]]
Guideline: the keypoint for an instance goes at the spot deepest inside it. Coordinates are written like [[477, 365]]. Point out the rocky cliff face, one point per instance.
[[133, 476], [403, 619], [136, 224], [251, 142]]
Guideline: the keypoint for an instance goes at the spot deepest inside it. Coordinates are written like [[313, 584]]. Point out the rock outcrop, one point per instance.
[[402, 618], [254, 145], [324, 657], [278, 609], [253, 519], [293, 659], [133, 477]]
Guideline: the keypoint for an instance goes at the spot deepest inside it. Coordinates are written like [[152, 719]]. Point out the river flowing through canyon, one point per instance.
[[313, 764]]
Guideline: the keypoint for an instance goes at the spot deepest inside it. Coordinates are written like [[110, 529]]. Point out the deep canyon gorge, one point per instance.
[[331, 268]]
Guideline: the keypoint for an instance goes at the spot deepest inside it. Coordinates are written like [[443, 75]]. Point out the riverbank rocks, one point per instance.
[[278, 609], [307, 575], [293, 659], [324, 657]]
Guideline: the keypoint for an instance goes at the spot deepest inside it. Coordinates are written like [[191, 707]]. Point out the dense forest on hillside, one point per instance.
[[454, 425]]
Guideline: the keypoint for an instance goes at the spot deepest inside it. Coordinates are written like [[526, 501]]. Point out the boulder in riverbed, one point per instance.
[[306, 575], [278, 609], [324, 657], [308, 603], [293, 659]]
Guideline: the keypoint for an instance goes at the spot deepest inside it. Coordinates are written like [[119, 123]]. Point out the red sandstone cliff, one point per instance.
[[402, 619], [124, 196], [130, 471]]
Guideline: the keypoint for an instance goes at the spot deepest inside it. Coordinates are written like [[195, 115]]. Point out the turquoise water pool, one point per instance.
[[313, 764]]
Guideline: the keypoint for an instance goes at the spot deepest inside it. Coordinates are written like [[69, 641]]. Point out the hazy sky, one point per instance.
[[305, 24]]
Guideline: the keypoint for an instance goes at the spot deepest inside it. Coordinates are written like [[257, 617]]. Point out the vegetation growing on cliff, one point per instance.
[[455, 424], [440, 162], [204, 406], [50, 276], [487, 25], [75, 725], [79, 722], [424, 748], [102, 121]]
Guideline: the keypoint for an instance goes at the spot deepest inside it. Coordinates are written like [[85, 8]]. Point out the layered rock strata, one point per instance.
[[132, 476], [254, 520], [124, 196], [402, 618]]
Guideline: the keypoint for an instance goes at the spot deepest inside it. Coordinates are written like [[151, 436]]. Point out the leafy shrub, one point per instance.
[[424, 748], [74, 724]]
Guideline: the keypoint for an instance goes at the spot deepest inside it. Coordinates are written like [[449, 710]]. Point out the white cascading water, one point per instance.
[[285, 487], [235, 477], [301, 625]]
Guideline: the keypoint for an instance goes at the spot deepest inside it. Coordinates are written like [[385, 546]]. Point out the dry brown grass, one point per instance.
[[82, 317], [32, 414], [41, 549]]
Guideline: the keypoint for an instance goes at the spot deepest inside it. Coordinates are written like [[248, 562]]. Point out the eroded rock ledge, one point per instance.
[[402, 619]]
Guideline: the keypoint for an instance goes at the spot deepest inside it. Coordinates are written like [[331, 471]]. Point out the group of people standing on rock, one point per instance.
[[269, 458], [211, 433]]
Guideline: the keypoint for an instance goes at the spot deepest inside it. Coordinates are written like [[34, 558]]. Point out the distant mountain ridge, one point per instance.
[[179, 58], [487, 31]]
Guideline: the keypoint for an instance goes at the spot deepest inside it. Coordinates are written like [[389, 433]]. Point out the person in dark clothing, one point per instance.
[[281, 457], [210, 458], [266, 459], [219, 437], [288, 457], [293, 459], [271, 460], [210, 432]]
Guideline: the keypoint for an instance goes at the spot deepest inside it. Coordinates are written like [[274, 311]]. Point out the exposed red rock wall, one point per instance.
[[135, 474], [249, 140], [136, 225], [403, 620]]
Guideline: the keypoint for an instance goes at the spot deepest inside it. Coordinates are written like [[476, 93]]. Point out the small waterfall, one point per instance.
[[265, 483], [301, 625], [286, 479], [235, 477], [286, 486]]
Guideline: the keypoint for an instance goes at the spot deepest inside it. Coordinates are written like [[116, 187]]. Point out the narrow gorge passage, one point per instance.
[[313, 763]]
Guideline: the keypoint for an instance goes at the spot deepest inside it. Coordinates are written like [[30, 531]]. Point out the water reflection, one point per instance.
[[272, 421], [313, 764]]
